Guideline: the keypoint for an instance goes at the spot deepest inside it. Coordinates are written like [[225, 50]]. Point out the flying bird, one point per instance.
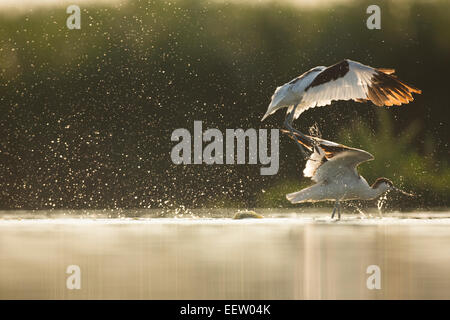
[[345, 80], [333, 168]]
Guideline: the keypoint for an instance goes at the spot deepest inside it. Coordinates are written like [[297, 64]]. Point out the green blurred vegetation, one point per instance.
[[396, 157], [86, 115]]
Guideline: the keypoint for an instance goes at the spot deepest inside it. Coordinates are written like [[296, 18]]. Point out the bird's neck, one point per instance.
[[373, 193]]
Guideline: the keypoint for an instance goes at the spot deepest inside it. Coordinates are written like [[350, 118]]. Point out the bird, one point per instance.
[[333, 168], [345, 80]]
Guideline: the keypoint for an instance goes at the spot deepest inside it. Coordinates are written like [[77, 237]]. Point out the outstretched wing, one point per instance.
[[290, 93], [328, 158], [351, 80], [341, 164], [316, 159], [329, 148]]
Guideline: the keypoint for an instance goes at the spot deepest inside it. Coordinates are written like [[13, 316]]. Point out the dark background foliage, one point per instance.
[[86, 115]]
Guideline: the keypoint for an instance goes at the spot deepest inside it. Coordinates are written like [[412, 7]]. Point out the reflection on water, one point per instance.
[[292, 257]]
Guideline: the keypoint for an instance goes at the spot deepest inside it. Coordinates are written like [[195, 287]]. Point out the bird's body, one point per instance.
[[346, 80], [349, 187], [333, 168], [291, 93]]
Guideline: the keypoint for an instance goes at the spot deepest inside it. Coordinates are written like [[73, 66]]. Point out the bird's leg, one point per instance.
[[337, 207], [336, 204], [288, 125], [339, 210]]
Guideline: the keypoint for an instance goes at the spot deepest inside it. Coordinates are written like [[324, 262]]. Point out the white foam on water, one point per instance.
[[404, 219]]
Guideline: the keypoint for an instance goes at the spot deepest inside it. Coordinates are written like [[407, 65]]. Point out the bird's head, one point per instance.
[[384, 184]]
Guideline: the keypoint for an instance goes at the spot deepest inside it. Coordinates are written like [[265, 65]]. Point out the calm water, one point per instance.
[[283, 256]]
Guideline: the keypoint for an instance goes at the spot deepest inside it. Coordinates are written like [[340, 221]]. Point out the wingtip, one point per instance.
[[387, 70], [414, 89]]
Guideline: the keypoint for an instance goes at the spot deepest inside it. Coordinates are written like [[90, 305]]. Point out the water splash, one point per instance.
[[381, 202], [182, 212], [315, 131], [363, 215]]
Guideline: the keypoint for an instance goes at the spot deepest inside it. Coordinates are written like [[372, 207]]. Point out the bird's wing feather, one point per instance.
[[328, 158], [330, 148], [316, 159], [341, 164], [289, 94], [279, 100], [350, 80]]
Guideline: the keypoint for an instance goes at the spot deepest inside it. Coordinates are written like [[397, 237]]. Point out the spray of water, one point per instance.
[[363, 215], [315, 131], [381, 202]]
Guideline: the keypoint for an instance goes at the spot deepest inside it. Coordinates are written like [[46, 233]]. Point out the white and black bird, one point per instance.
[[333, 168], [345, 80]]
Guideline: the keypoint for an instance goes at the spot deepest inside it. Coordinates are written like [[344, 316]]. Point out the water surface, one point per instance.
[[286, 255]]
